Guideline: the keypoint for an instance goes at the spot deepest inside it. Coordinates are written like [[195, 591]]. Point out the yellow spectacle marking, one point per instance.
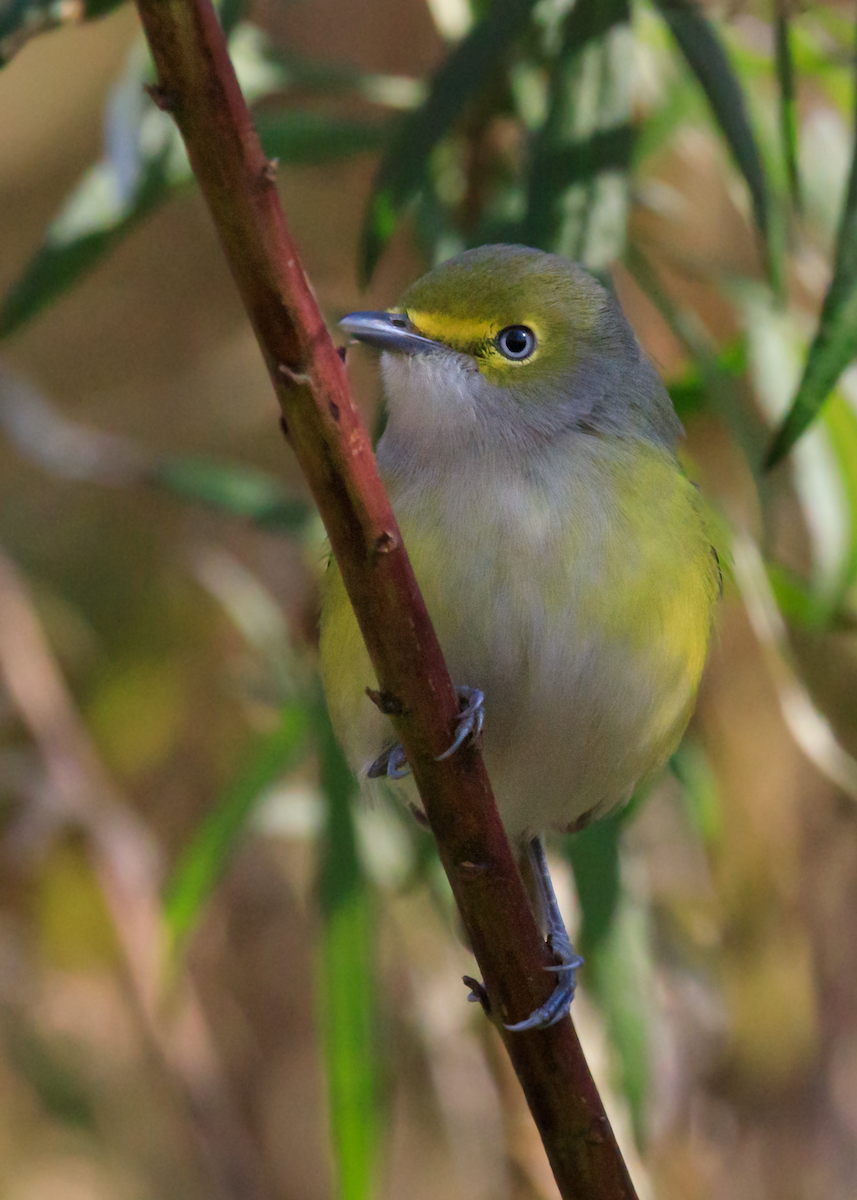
[[454, 331]]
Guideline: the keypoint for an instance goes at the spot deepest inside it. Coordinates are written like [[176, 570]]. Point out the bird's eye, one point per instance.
[[516, 342]]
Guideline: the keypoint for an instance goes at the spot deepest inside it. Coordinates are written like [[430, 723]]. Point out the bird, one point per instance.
[[565, 559]]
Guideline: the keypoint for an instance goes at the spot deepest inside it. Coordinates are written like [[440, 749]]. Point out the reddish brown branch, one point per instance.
[[328, 437]]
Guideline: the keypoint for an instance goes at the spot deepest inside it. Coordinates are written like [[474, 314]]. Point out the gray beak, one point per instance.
[[388, 331]]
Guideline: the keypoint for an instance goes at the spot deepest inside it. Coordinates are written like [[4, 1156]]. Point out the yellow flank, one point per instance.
[[581, 603]]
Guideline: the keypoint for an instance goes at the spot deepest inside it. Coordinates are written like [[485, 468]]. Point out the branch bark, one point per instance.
[[197, 84]]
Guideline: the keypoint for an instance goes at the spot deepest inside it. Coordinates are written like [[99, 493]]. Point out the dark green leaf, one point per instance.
[[788, 101], [594, 857], [707, 58], [302, 137], [240, 491], [346, 984], [205, 860], [51, 1072], [835, 342], [404, 166]]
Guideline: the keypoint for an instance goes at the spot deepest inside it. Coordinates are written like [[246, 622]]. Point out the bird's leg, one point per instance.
[[558, 1004], [393, 762]]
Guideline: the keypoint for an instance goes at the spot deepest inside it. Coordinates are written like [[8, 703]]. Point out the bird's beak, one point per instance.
[[388, 331]]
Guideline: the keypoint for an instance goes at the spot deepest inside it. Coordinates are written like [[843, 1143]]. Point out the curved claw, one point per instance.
[[569, 960], [560, 1000], [393, 763], [470, 721]]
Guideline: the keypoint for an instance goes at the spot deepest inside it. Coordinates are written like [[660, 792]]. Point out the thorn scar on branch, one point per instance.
[[160, 97], [386, 703], [296, 378]]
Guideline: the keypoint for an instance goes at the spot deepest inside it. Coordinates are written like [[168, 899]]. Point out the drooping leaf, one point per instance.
[[346, 983], [145, 164], [708, 60], [577, 187], [403, 169], [835, 342], [204, 861]]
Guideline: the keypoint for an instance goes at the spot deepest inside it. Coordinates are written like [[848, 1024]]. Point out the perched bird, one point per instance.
[[530, 458]]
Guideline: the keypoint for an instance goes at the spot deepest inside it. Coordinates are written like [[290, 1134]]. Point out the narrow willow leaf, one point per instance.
[[346, 987], [237, 490], [840, 421], [205, 860], [465, 72], [621, 978], [615, 946], [692, 768], [784, 64], [145, 164], [707, 58], [299, 137], [594, 857], [578, 191], [835, 342]]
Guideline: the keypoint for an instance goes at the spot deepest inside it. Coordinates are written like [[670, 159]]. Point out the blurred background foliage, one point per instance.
[[218, 977]]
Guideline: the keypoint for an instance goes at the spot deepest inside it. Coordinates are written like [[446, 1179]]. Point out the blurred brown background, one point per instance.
[[107, 1092]]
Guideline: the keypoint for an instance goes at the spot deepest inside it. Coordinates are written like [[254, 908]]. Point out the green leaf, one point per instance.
[[240, 491], [51, 1071], [615, 944], [145, 164], [691, 767], [804, 606], [465, 72], [594, 857], [707, 58], [840, 422], [577, 190], [346, 990], [621, 978], [784, 64], [300, 137], [835, 342], [204, 862]]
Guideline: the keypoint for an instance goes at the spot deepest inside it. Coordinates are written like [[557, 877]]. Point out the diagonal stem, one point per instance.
[[197, 84]]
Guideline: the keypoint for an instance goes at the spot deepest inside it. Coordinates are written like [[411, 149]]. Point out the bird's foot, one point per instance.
[[393, 763], [470, 721], [569, 960]]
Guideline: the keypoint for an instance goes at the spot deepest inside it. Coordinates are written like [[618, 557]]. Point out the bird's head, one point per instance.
[[509, 345]]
